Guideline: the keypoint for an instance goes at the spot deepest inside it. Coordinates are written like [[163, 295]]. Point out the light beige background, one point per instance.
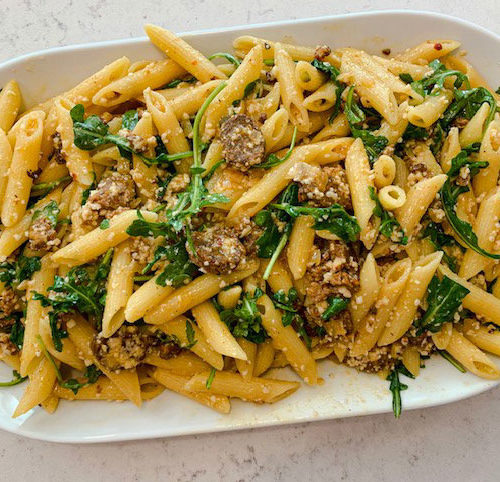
[[458, 442]]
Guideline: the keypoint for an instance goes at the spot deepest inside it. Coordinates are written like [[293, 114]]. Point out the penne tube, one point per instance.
[[471, 357], [485, 227], [185, 364], [369, 287], [183, 54], [411, 360], [322, 99], [176, 383], [287, 340], [484, 337], [216, 331], [357, 170], [442, 337], [339, 127], [119, 288], [246, 366], [274, 128], [194, 293], [291, 95], [308, 77], [429, 111], [264, 358], [24, 161], [154, 75], [232, 385], [451, 148], [486, 179], [201, 347], [300, 245], [479, 301], [98, 241], [370, 328], [5, 161], [427, 51], [406, 307], [10, 103]]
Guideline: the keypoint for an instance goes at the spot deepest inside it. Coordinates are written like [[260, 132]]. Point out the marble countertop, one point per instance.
[[453, 442]]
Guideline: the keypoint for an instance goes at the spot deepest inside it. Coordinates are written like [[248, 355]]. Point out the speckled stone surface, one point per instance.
[[457, 442]]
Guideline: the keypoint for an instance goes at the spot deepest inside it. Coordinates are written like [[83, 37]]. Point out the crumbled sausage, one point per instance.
[[417, 172], [142, 249], [42, 235], [243, 142], [322, 186], [178, 184], [58, 155], [321, 52], [112, 195], [336, 274], [9, 303], [6, 346], [124, 350], [377, 359], [218, 249]]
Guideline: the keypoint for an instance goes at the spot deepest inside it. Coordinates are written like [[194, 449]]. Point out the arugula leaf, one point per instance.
[[466, 103], [104, 224], [449, 197], [286, 303], [174, 83], [333, 73], [12, 274], [180, 269], [434, 83], [388, 222], [86, 192], [396, 387], [141, 227], [439, 240], [210, 378], [244, 319], [336, 304], [269, 240], [17, 334], [273, 160], [43, 188], [374, 144], [16, 380], [82, 289], [452, 360], [443, 298], [334, 219], [92, 374], [130, 119], [407, 78], [190, 335], [92, 133], [50, 212], [414, 132], [230, 58]]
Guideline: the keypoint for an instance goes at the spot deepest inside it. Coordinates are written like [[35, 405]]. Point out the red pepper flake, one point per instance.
[[386, 51], [438, 46]]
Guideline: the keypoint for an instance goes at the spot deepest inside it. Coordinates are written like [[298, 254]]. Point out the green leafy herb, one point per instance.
[[49, 212], [434, 232], [92, 133], [452, 360], [407, 78], [17, 334], [449, 196], [210, 378], [82, 289], [434, 83], [444, 299], [179, 270], [415, 133], [230, 58], [286, 302], [190, 334], [174, 83], [396, 387], [334, 219], [130, 120], [466, 103], [12, 274], [250, 87], [273, 160], [43, 188], [332, 72], [86, 192], [244, 319], [104, 224], [270, 63], [16, 380], [47, 355], [336, 304], [374, 144], [388, 222], [92, 374]]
